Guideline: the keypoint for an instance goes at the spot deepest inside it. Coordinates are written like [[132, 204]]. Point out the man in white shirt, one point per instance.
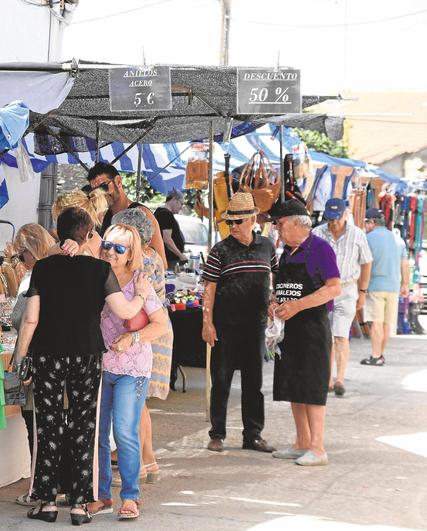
[[354, 260]]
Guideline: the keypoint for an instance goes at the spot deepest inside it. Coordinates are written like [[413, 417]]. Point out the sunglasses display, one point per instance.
[[234, 221], [118, 247]]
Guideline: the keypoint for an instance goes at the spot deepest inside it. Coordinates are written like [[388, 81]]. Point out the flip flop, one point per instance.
[[105, 508], [128, 514]]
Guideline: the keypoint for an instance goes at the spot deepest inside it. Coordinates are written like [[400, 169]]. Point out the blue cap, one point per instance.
[[334, 209], [374, 213]]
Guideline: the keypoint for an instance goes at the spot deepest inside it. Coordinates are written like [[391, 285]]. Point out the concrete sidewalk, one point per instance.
[[376, 440]]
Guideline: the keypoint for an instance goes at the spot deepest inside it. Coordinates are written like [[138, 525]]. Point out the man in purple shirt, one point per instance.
[[307, 280]]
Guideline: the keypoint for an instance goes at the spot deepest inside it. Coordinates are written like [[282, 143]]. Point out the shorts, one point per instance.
[[344, 310], [382, 306]]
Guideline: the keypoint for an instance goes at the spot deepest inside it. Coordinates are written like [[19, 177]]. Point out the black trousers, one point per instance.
[[238, 348], [64, 485], [81, 376]]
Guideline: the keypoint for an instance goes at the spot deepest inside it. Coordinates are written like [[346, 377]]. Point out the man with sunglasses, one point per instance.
[[107, 178], [237, 279]]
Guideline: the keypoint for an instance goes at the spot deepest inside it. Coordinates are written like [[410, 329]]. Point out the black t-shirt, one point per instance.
[[242, 273], [167, 221], [72, 294], [108, 216]]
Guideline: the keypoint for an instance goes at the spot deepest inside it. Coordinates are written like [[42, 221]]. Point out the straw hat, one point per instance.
[[241, 206]]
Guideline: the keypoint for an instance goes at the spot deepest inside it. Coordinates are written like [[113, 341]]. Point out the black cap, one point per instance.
[[374, 213], [293, 207]]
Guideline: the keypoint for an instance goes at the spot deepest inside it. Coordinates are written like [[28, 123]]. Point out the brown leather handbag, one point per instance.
[[261, 180]]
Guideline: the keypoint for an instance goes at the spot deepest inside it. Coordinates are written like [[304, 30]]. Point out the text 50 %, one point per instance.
[[260, 95]]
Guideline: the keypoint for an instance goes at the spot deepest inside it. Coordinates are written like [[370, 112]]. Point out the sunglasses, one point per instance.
[[103, 186], [118, 247], [234, 221]]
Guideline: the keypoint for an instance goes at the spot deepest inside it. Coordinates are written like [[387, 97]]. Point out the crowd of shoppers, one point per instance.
[[92, 369]]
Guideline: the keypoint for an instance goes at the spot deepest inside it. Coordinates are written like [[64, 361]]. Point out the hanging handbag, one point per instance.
[[137, 322], [261, 180], [14, 390]]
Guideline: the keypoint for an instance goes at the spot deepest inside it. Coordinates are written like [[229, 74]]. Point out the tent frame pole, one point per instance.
[[138, 173], [211, 214], [282, 168], [97, 143], [130, 146]]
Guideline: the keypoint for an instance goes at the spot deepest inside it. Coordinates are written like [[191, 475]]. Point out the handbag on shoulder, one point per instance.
[[137, 322]]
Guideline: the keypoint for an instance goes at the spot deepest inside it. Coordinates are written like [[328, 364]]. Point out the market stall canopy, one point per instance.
[[201, 95]]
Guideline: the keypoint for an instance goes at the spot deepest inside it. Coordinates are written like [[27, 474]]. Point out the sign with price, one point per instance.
[[268, 91], [140, 88]]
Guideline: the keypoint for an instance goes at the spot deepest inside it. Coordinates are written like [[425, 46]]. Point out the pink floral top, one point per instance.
[[138, 359]]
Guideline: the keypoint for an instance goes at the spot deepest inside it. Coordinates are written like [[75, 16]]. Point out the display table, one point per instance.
[[189, 349], [14, 452]]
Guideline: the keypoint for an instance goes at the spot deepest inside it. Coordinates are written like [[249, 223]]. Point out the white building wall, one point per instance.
[[29, 33]]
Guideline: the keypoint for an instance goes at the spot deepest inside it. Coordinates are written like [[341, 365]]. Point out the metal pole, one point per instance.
[[282, 169], [225, 32], [210, 184], [138, 173], [211, 214], [97, 142]]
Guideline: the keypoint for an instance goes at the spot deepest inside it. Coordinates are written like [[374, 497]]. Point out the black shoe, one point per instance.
[[37, 513], [260, 445], [378, 362], [339, 389], [215, 445], [79, 519]]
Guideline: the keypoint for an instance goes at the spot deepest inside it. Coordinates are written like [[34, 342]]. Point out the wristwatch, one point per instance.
[[363, 290]]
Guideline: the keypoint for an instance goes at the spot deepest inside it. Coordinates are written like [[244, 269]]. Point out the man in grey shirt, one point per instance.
[[354, 260]]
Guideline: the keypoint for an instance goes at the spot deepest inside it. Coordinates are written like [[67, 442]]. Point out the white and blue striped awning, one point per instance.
[[164, 164]]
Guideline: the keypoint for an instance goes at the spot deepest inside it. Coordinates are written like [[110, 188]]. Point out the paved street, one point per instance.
[[376, 440]]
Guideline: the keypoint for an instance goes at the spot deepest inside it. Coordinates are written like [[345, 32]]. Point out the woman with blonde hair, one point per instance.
[[126, 373], [95, 204], [152, 265], [32, 243]]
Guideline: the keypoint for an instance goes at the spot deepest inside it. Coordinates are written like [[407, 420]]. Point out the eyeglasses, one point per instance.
[[234, 221], [118, 247]]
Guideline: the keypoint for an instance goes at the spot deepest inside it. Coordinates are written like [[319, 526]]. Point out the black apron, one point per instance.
[[301, 374]]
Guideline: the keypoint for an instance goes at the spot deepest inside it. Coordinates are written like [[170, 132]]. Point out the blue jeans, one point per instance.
[[122, 401]]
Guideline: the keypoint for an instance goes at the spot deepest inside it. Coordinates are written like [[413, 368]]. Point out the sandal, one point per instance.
[[101, 506], [80, 518], [37, 513], [129, 510], [379, 362], [152, 475]]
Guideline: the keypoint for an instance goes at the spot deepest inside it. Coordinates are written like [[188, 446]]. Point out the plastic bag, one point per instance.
[[274, 335]]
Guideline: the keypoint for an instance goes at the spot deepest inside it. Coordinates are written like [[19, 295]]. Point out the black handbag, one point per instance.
[[14, 390], [24, 368]]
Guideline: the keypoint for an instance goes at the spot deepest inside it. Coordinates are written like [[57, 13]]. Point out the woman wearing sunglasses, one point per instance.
[[126, 374], [152, 265]]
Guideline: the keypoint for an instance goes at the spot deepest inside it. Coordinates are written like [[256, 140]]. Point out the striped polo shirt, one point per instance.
[[351, 248], [242, 274]]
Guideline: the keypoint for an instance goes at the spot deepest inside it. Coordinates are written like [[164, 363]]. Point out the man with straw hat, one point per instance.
[[237, 279]]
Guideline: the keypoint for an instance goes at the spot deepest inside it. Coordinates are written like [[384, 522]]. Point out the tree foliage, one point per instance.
[[321, 142]]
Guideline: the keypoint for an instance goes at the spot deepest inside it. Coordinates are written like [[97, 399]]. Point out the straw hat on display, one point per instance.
[[241, 206]]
